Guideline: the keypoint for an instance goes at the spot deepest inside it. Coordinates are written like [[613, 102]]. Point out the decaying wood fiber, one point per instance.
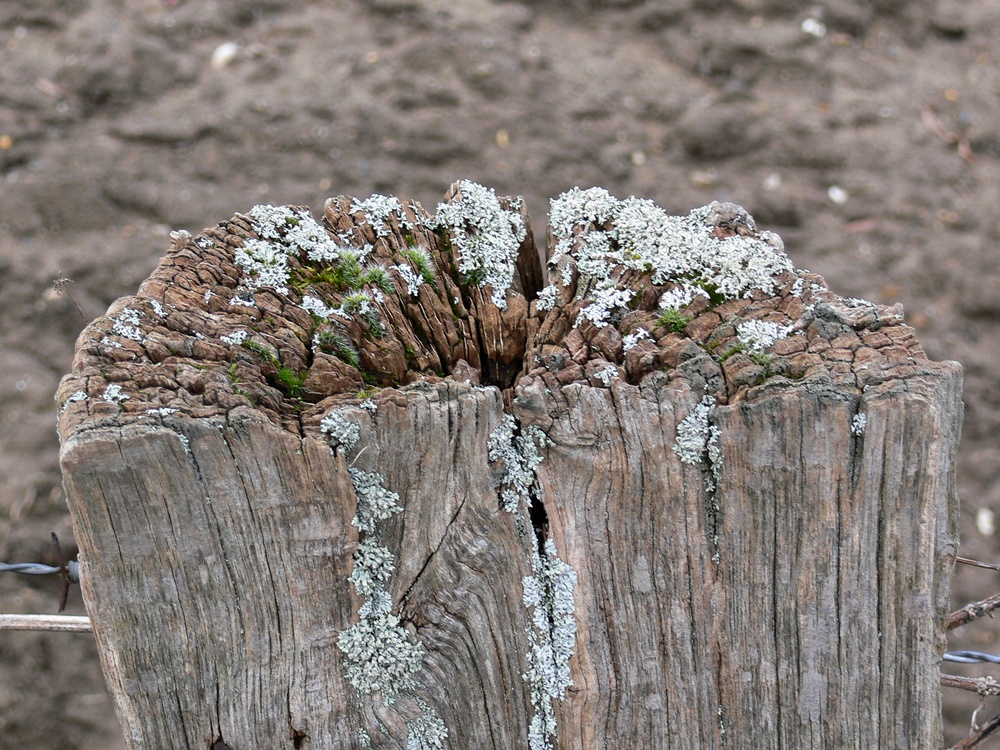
[[731, 520]]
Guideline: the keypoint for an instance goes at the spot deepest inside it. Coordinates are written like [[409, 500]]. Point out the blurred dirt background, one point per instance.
[[865, 133]]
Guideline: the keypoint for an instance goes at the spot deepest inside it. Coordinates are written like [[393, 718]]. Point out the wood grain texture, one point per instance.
[[826, 600], [786, 585]]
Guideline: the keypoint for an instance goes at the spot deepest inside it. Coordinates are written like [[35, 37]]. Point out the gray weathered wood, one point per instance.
[[783, 585]]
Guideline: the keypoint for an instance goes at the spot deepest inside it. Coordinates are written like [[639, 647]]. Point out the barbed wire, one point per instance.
[[971, 657], [68, 571]]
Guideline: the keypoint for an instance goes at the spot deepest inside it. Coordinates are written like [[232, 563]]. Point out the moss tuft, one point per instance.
[[291, 381], [673, 321], [338, 345]]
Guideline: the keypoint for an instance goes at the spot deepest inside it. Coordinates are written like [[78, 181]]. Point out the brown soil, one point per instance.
[[869, 144]]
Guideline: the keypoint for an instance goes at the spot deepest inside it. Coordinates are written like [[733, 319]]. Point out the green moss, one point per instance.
[[247, 395], [760, 358], [338, 345], [734, 349], [374, 324], [422, 262], [475, 277], [673, 321], [380, 278], [234, 378], [291, 381], [263, 351], [347, 275], [714, 296]]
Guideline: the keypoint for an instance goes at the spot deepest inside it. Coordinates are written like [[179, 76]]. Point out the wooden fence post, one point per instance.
[[374, 483]]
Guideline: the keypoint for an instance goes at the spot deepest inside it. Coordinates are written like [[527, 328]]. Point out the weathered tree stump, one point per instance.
[[372, 484]]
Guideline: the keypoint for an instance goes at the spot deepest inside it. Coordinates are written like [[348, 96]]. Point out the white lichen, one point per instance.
[[113, 394], [608, 374], [342, 432], [77, 396], [283, 232], [127, 324], [158, 308], [411, 278], [518, 449], [486, 236], [697, 440], [379, 656], [317, 307], [859, 423], [369, 406], [608, 301], [265, 263], [548, 297], [236, 338], [163, 411], [759, 335], [379, 210], [629, 341], [680, 297], [605, 237], [575, 209]]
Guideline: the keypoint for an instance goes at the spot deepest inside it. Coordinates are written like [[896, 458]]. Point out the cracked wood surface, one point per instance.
[[799, 605]]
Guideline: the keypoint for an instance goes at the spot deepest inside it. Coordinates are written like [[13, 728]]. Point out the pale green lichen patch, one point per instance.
[[697, 444], [697, 440], [342, 433], [380, 657], [375, 502], [518, 449], [549, 594], [426, 732], [373, 567]]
